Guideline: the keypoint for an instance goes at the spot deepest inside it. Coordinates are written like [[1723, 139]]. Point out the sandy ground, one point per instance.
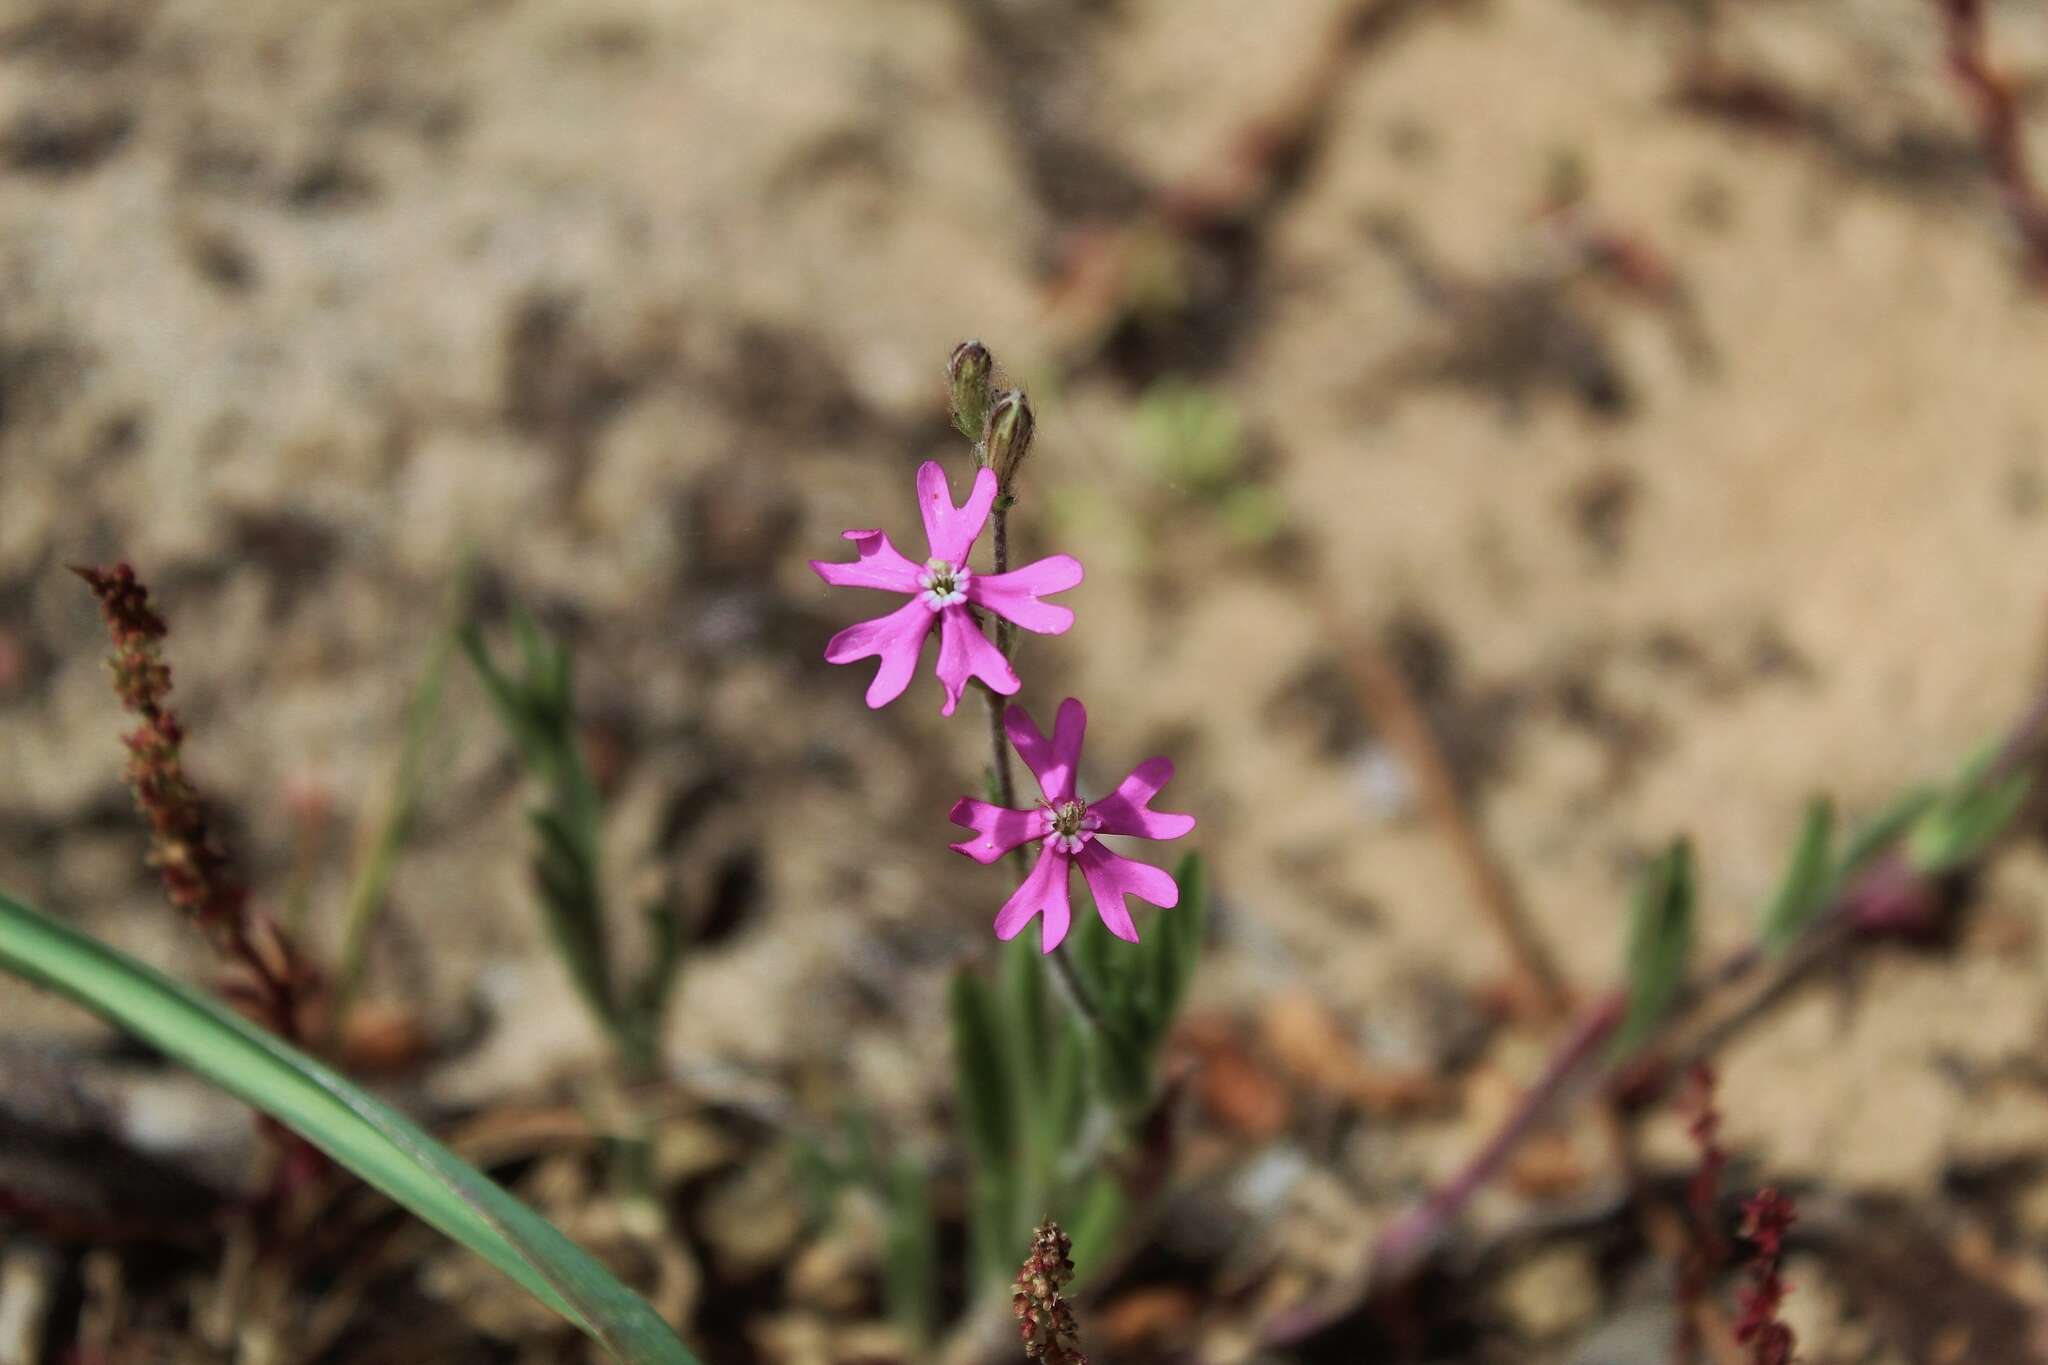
[[642, 303]]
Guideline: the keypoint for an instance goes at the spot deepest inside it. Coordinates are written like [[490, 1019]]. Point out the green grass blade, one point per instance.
[[1660, 942], [377, 860], [356, 1129]]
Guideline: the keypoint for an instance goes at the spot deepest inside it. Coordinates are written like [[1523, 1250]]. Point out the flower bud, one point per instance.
[[967, 372], [1006, 438]]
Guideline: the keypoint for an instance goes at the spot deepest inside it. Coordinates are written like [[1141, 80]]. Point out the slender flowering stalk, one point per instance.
[[266, 977], [1766, 1217], [1006, 430], [1045, 1318], [943, 591], [1705, 1249], [1066, 827]]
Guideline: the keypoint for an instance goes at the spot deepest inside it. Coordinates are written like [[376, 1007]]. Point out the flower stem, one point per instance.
[[999, 744], [1071, 986], [1006, 634], [1076, 991]]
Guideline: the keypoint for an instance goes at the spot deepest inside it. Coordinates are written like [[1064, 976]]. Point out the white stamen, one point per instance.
[[944, 585]]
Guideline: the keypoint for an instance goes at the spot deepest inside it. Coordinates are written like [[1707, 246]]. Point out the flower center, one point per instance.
[[944, 584], [1069, 825]]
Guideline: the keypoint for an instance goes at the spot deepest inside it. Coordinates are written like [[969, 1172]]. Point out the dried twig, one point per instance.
[[1998, 127], [1399, 717], [1106, 272]]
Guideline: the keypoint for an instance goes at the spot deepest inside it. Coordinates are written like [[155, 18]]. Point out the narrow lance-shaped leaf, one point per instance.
[[1809, 882], [1878, 833], [657, 981], [1660, 941], [910, 1256], [359, 1131], [1065, 1106], [1096, 1222], [1024, 995], [1181, 931], [981, 1066], [984, 1090], [1960, 827]]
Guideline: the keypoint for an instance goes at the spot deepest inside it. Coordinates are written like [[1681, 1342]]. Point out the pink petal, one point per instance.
[[1000, 829], [952, 530], [880, 566], [964, 652], [1111, 877], [1014, 595], [897, 637], [1044, 890], [1127, 810], [1053, 763]]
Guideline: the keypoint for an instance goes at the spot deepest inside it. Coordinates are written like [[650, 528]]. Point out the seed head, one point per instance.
[[1045, 1320]]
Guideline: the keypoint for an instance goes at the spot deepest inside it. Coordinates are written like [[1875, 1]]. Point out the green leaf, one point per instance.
[[818, 1178], [356, 1129], [1095, 1223], [1660, 941], [1066, 1092], [993, 1231], [573, 914], [1024, 996], [985, 1090], [537, 710], [910, 1254], [1961, 827], [657, 982], [1878, 833], [981, 1066], [1180, 932], [1809, 882], [863, 1156]]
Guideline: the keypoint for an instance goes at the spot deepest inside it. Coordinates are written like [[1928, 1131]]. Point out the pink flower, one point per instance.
[[1066, 828], [944, 590]]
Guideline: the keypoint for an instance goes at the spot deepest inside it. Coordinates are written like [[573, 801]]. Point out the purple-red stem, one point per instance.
[[1890, 897], [1416, 1233], [1998, 124]]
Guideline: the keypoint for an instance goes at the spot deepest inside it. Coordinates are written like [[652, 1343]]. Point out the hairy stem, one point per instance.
[[1006, 634]]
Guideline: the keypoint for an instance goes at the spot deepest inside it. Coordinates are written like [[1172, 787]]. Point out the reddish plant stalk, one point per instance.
[[1998, 126], [1766, 1217], [1891, 898], [265, 978], [1705, 1249]]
